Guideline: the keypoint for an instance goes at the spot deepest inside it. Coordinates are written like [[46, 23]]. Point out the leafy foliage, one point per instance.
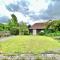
[[57, 33], [4, 27], [13, 22], [1, 27], [23, 29], [14, 31], [54, 24], [13, 25], [41, 33], [53, 28]]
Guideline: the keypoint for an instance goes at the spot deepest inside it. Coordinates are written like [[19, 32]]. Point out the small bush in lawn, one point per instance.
[[26, 33], [41, 33], [14, 31]]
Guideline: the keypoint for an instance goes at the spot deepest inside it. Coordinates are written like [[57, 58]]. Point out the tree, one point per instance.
[[29, 26], [13, 22], [1, 27], [54, 24], [13, 25], [23, 29], [6, 27]]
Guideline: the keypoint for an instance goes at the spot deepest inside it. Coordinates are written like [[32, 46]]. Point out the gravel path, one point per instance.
[[5, 38]]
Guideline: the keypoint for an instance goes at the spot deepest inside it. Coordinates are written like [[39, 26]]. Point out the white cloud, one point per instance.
[[4, 11], [35, 6], [8, 1], [21, 17], [38, 5], [26, 19], [38, 21]]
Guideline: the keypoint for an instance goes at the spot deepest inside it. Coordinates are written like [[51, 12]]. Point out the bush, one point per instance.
[[49, 31], [41, 33], [26, 33], [14, 31], [57, 33]]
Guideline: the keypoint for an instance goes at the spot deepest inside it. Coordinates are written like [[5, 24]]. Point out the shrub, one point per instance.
[[26, 33], [49, 31], [57, 33], [41, 33], [14, 31], [30, 33]]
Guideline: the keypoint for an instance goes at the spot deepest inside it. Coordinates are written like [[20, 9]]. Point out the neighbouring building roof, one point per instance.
[[39, 26]]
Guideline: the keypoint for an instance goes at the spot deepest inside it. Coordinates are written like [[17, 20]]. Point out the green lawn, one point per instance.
[[27, 44]]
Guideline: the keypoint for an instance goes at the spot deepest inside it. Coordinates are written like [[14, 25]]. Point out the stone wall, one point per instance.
[[4, 33]]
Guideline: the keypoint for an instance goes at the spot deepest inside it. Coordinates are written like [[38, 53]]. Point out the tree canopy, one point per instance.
[[13, 22], [54, 24]]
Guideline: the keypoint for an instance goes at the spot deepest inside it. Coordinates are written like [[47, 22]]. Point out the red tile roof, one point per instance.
[[38, 26]]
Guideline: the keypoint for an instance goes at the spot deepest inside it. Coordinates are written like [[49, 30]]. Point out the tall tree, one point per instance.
[[14, 19], [13, 25], [13, 22]]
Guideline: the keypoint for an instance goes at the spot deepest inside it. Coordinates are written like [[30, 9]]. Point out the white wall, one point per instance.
[[34, 32]]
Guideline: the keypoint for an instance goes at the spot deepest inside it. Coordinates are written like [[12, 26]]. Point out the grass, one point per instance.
[[29, 44]]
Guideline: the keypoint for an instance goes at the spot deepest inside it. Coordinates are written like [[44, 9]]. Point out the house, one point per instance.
[[37, 27]]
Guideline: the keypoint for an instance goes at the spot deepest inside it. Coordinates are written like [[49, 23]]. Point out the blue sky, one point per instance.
[[30, 11]]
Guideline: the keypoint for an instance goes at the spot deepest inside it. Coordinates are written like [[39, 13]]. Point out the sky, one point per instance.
[[30, 11]]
